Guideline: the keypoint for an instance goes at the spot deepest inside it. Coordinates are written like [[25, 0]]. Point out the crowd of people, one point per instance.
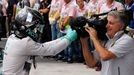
[[111, 55]]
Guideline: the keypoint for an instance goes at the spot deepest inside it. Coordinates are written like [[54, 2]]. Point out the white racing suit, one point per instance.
[[17, 52]]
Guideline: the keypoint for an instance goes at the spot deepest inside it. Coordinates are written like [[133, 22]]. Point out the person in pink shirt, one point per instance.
[[109, 5], [92, 5], [82, 9], [55, 6], [101, 2], [67, 11]]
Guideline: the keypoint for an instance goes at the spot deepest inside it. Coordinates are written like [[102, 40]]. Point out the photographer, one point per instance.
[[116, 54], [23, 43]]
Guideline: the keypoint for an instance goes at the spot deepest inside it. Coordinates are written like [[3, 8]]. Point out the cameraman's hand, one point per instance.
[[92, 32]]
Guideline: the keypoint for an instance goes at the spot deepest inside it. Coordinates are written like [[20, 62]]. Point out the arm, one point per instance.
[[57, 15], [104, 53], [51, 47], [66, 20], [44, 10], [64, 23], [53, 16], [14, 11], [89, 58]]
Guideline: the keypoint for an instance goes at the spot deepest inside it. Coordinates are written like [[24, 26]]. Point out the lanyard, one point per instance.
[[113, 42]]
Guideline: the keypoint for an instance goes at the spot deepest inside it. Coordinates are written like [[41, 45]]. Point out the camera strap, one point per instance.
[[114, 41]]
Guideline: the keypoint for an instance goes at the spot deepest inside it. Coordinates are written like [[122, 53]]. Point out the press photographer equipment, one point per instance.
[[99, 24], [81, 22]]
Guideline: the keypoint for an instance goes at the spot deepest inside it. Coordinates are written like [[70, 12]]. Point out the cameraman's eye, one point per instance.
[[110, 23]]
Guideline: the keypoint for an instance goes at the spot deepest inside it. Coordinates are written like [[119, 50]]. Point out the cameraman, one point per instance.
[[116, 54]]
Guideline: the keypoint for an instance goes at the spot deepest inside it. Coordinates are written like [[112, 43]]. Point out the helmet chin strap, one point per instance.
[[32, 34]]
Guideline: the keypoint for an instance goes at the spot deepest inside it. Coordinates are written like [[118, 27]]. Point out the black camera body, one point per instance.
[[79, 24]]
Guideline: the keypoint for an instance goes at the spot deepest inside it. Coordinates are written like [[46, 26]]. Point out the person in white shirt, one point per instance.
[[23, 43], [65, 16], [68, 11], [116, 54]]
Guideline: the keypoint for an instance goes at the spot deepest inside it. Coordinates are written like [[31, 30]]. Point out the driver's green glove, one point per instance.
[[71, 35]]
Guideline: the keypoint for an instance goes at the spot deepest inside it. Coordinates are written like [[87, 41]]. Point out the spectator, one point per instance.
[[82, 9], [116, 54], [4, 18], [45, 8], [129, 5], [54, 21], [109, 5], [92, 4], [65, 16], [54, 16], [11, 12]]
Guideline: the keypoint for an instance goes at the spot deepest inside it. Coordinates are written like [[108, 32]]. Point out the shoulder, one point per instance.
[[127, 39], [127, 36]]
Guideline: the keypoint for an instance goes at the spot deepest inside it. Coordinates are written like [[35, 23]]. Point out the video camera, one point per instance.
[[99, 24]]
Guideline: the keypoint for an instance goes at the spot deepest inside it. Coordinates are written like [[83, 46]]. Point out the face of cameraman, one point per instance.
[[114, 25], [117, 21]]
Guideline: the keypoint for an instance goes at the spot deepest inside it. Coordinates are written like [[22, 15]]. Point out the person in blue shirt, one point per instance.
[[129, 5]]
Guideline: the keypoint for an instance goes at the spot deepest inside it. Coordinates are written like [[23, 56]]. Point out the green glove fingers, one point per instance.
[[71, 35]]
